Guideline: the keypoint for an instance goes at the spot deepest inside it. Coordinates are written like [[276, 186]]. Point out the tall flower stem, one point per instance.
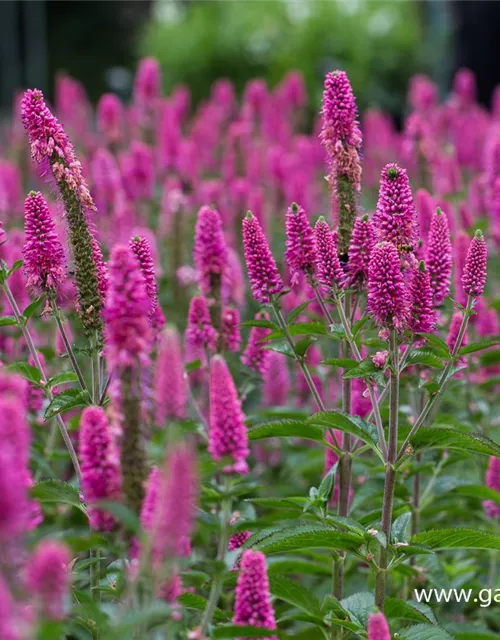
[[390, 471], [34, 354], [443, 380], [216, 588], [67, 345]]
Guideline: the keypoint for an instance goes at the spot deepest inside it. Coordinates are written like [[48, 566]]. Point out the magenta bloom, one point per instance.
[[253, 600], [380, 358], [395, 218], [48, 578], [210, 251], [474, 275], [177, 495], [464, 86], [238, 540], [423, 93], [276, 387], [460, 248], [147, 85], [262, 270], [378, 628], [49, 143], [300, 250], [360, 249], [388, 298], [453, 330], [138, 171], [340, 114], [228, 432], [328, 269], [8, 621], [425, 207], [492, 509], [423, 317], [255, 356], [170, 383], [150, 502], [230, 329], [110, 117], [200, 333], [128, 332], [100, 465], [142, 250], [439, 256], [43, 253]]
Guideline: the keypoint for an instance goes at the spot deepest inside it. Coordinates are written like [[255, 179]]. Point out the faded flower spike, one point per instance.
[[388, 299], [395, 219], [474, 275], [262, 270], [328, 269], [44, 261]]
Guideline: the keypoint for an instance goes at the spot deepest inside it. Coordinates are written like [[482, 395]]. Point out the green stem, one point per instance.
[[390, 471], [67, 345], [216, 588], [21, 321]]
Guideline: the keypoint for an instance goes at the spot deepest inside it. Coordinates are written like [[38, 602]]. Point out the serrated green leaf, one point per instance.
[[295, 594], [438, 437], [295, 502], [307, 537], [8, 321], [343, 363], [457, 539], [359, 606], [31, 308], [408, 610], [263, 324], [301, 329], [365, 369], [478, 491], [286, 429], [66, 400], [424, 357], [439, 343], [357, 326], [425, 632], [399, 527], [302, 346], [25, 370], [478, 346], [240, 631], [57, 491], [62, 378], [280, 347], [297, 311], [198, 603], [349, 424]]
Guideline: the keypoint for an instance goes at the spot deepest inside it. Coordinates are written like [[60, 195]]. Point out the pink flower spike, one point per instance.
[[8, 620], [492, 508], [395, 218], [439, 256], [253, 599], [147, 85], [388, 298], [328, 269], [360, 249], [43, 253], [142, 250], [210, 251], [230, 329], [256, 356], [200, 334], [378, 627], [110, 117], [238, 540], [262, 270], [380, 358], [474, 275], [276, 386], [99, 456], [300, 253], [48, 578], [170, 381], [423, 317], [340, 113], [228, 432]]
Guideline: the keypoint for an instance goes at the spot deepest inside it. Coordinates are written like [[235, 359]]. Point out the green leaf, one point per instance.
[[294, 502], [359, 606], [438, 343], [25, 370], [307, 537], [478, 491], [424, 357], [280, 347], [365, 369], [198, 603], [31, 308], [194, 365], [286, 429], [263, 324], [66, 400], [438, 437], [297, 311], [344, 363], [62, 378], [349, 424], [303, 345], [301, 329], [154, 615], [399, 527], [425, 632], [122, 513], [240, 631], [295, 594], [58, 491], [409, 610], [478, 346], [17, 265], [337, 332], [457, 539], [8, 321], [357, 326]]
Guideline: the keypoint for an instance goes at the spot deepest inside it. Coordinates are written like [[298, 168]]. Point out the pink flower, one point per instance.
[[262, 270], [378, 628], [48, 578], [380, 358], [238, 540], [128, 332], [44, 260], [464, 86], [340, 114], [255, 356], [453, 330], [170, 382], [423, 93], [388, 299], [99, 457], [395, 218], [106, 178], [439, 256], [425, 207], [460, 249], [200, 333], [328, 269], [230, 329], [138, 171], [147, 85], [360, 249], [300, 249], [474, 275], [110, 117], [210, 251], [142, 250], [8, 622], [276, 386], [423, 317], [491, 507], [253, 599], [228, 432]]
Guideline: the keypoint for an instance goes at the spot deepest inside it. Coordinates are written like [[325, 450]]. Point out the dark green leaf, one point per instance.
[[344, 363], [399, 527], [359, 606], [194, 365], [121, 512], [66, 400], [436, 341], [17, 265], [457, 539], [302, 346], [438, 437], [424, 357], [425, 632], [307, 537], [62, 378], [349, 424], [301, 329], [478, 491], [286, 429], [264, 324], [365, 369], [57, 491], [198, 603], [31, 308], [280, 347], [295, 594], [240, 631], [478, 346], [409, 610], [297, 311], [8, 321], [25, 370]]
